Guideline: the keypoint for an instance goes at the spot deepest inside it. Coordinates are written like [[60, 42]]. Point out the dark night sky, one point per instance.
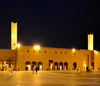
[[51, 23]]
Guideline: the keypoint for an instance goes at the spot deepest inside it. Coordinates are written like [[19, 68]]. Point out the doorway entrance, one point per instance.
[[28, 66]]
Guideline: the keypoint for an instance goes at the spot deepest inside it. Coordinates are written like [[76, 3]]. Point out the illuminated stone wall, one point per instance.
[[6, 56], [13, 35], [48, 56], [44, 54], [97, 60]]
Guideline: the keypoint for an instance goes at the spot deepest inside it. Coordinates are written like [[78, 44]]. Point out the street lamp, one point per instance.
[[36, 47], [95, 51], [73, 49], [18, 45]]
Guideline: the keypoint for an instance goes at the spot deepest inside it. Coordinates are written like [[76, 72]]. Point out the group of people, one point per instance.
[[88, 69], [11, 71], [35, 69]]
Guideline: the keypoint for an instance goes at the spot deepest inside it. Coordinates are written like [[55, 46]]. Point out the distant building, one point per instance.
[[22, 57]]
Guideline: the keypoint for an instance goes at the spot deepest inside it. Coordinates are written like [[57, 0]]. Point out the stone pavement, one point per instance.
[[50, 78]]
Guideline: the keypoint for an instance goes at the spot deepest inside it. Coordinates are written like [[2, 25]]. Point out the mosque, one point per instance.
[[25, 58]]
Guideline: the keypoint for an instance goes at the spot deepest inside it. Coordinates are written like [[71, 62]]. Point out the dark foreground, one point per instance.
[[50, 78]]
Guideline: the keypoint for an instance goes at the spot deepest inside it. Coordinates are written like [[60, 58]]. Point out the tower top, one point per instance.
[[90, 42], [91, 34]]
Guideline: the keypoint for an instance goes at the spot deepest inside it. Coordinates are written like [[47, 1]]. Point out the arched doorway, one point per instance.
[[74, 66], [56, 66], [33, 65], [1, 66], [27, 66], [61, 66], [65, 66], [50, 64], [40, 66], [84, 65]]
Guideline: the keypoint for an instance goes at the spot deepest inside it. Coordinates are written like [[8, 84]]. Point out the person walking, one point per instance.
[[36, 69], [87, 69], [10, 71]]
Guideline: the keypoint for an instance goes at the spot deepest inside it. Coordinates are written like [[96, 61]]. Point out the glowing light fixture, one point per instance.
[[18, 45], [37, 47], [84, 65], [73, 49], [95, 51]]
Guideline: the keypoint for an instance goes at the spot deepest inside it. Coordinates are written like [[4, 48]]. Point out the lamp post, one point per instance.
[[95, 51], [36, 47]]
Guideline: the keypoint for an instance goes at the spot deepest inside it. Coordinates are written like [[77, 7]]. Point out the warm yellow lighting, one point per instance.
[[37, 47], [95, 51], [13, 35], [40, 67], [90, 42], [51, 66], [73, 50], [84, 65], [18, 45]]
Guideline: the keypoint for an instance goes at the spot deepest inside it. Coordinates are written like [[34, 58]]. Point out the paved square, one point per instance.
[[50, 78]]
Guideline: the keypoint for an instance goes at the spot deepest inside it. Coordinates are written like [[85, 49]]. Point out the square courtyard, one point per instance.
[[50, 78]]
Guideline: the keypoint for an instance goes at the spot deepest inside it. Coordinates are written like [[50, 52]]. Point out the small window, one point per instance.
[[33, 51], [27, 50], [45, 52], [39, 51], [55, 52], [60, 52], [65, 53]]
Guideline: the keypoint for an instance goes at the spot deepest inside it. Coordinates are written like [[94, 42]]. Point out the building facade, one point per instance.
[[47, 58], [25, 58]]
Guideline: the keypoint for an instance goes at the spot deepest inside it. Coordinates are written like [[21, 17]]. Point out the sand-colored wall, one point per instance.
[[97, 60], [7, 57], [7, 53], [26, 53]]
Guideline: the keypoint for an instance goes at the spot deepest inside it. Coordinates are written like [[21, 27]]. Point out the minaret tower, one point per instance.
[[13, 35], [90, 42]]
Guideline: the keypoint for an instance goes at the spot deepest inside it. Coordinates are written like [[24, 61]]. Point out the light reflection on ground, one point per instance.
[[50, 78]]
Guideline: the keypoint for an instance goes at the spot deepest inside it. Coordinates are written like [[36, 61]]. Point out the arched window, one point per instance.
[[56, 66], [65, 66], [33, 65], [27, 62], [40, 66], [61, 65], [74, 66], [27, 65], [39, 63]]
